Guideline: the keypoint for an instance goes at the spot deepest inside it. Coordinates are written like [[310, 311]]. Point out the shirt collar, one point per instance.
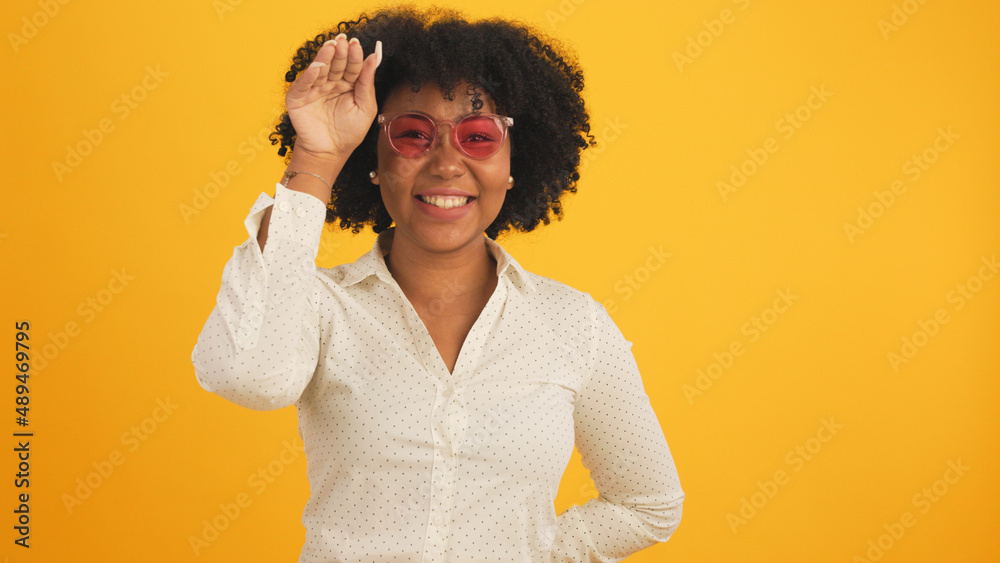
[[374, 263]]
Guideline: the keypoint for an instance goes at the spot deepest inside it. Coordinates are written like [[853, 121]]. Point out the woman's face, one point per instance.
[[443, 167]]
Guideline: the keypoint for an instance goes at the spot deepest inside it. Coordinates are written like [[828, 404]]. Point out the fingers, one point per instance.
[[317, 71], [343, 60], [305, 81], [354, 60], [364, 88], [339, 58], [327, 50]]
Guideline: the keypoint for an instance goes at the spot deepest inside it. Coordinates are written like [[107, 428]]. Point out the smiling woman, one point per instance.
[[437, 338], [420, 190], [534, 81]]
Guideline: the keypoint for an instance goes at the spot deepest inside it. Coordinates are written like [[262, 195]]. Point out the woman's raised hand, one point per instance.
[[332, 103]]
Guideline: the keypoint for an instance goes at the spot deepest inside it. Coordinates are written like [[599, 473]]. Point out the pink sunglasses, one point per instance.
[[477, 135]]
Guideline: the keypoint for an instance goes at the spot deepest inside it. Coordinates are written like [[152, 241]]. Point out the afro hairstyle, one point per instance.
[[528, 76]]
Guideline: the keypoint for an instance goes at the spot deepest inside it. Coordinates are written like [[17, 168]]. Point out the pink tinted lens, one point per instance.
[[479, 136], [411, 134]]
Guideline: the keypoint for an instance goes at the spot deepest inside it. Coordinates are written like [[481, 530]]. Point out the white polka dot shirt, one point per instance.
[[408, 462]]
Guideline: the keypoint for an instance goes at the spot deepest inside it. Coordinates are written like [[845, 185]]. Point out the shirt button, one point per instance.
[[283, 206], [244, 332], [301, 212], [260, 276], [446, 393]]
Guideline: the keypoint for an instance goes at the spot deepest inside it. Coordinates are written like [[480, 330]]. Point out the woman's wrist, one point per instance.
[[305, 164]]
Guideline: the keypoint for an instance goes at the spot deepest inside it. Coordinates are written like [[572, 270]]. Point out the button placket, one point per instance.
[[443, 475], [256, 318], [449, 422], [458, 424]]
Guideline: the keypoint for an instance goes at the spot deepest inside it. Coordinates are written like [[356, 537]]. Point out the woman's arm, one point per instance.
[[621, 443], [327, 168], [260, 344]]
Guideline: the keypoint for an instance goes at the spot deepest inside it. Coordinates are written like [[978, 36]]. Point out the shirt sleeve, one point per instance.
[[260, 345], [622, 445]]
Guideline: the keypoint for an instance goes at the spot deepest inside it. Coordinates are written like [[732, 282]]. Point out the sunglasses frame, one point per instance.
[[502, 121]]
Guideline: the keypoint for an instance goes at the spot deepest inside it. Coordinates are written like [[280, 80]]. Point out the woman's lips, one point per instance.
[[445, 202], [447, 214]]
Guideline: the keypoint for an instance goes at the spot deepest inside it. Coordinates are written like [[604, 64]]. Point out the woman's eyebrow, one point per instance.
[[455, 118]]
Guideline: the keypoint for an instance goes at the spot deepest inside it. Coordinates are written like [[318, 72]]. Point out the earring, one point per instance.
[[372, 175], [510, 179]]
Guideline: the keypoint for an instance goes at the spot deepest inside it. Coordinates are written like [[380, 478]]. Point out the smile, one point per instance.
[[445, 202]]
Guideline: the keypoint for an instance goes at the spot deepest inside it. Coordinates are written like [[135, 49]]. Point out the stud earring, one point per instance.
[[510, 179], [372, 175]]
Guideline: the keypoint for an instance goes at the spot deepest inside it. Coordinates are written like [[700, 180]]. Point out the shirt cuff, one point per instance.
[[297, 216]]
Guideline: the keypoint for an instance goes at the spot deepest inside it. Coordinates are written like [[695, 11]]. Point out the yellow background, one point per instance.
[[652, 183]]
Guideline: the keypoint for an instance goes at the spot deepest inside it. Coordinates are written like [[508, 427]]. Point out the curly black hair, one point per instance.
[[529, 76]]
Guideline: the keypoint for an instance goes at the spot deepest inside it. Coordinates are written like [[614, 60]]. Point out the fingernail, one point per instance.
[[378, 52], [354, 40]]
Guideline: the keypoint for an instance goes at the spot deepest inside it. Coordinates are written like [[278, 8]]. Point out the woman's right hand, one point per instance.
[[332, 102]]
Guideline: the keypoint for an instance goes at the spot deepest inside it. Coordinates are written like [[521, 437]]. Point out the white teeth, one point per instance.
[[445, 202]]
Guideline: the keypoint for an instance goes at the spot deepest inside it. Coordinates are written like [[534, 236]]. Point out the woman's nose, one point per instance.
[[445, 155]]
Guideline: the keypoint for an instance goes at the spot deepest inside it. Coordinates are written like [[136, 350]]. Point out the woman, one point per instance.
[[440, 387]]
